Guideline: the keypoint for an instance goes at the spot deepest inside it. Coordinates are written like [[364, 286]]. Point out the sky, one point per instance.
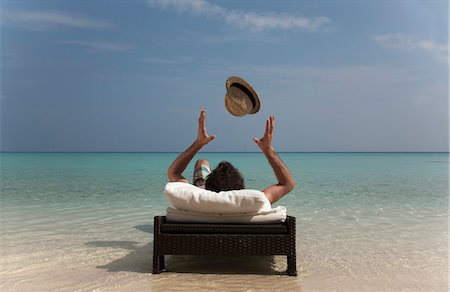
[[110, 75]]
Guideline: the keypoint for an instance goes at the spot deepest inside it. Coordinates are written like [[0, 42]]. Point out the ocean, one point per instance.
[[365, 222]]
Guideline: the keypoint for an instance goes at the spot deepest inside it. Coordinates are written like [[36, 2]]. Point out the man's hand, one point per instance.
[[286, 182], [202, 136], [175, 171], [265, 143]]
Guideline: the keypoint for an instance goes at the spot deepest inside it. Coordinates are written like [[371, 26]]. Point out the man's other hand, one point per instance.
[[202, 137], [265, 143]]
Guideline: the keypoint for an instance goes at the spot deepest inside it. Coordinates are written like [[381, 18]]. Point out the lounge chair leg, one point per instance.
[[156, 269], [291, 265], [156, 264], [162, 266], [158, 259]]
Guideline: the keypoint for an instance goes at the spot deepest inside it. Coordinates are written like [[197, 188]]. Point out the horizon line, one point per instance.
[[224, 152]]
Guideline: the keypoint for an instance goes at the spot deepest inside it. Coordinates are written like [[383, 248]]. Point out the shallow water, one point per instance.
[[365, 221]]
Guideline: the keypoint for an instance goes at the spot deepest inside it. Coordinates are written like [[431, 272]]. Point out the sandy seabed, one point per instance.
[[63, 263], [83, 222]]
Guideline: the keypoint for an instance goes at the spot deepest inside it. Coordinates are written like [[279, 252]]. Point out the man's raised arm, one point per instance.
[[175, 171], [286, 182]]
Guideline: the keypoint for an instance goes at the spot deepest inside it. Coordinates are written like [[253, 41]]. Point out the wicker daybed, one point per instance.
[[173, 238]]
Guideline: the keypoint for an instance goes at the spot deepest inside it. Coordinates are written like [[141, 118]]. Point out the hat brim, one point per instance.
[[253, 95]]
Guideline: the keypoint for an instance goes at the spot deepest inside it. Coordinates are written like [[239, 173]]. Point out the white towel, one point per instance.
[[274, 215]]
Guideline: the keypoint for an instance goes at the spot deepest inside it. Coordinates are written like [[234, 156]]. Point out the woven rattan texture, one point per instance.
[[223, 239]]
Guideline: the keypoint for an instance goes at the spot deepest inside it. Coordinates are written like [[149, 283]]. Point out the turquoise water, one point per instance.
[[356, 212], [367, 181]]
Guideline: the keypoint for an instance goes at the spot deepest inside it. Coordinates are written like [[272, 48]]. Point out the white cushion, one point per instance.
[[275, 215], [184, 196]]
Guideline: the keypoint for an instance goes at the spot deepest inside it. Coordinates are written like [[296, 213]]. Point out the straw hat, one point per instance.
[[241, 99]]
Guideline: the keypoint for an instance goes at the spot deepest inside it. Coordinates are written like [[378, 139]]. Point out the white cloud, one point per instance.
[[411, 42], [259, 22], [247, 20], [97, 45], [42, 20], [200, 7]]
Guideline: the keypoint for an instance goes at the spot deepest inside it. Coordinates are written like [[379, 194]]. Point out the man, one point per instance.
[[225, 176]]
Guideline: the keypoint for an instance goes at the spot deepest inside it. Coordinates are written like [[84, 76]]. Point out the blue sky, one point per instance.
[[133, 75]]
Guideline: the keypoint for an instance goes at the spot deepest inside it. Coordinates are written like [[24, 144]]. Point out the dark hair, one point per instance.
[[225, 177]]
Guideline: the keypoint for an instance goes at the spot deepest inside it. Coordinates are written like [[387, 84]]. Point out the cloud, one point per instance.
[[43, 20], [200, 7], [411, 42], [259, 22], [97, 45], [245, 20]]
